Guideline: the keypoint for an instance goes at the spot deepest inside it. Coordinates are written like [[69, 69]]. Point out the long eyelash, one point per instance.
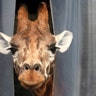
[[57, 48], [52, 48], [13, 49]]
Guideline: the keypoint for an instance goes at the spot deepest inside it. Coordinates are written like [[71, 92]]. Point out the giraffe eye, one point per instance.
[[52, 48], [13, 49]]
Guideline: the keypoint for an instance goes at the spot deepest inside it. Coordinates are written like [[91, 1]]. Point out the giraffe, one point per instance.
[[33, 49]]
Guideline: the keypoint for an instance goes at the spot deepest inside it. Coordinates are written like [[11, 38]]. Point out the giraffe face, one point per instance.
[[33, 47], [33, 55]]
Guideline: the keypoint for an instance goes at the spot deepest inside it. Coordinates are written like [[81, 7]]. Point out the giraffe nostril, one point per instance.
[[26, 66], [37, 67]]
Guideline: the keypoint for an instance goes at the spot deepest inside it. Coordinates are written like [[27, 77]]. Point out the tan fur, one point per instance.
[[32, 39]]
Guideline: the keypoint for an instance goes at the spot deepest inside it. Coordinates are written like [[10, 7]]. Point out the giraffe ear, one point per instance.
[[4, 43], [63, 40]]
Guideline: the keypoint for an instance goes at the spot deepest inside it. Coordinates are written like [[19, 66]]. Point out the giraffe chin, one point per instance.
[[31, 79], [35, 86]]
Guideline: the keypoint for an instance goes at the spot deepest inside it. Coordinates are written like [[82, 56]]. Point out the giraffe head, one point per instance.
[[33, 47]]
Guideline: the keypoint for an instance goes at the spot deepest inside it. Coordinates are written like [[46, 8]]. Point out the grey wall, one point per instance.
[[75, 72], [67, 15], [91, 83], [7, 9]]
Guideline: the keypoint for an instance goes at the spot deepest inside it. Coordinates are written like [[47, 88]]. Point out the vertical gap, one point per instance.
[[32, 10]]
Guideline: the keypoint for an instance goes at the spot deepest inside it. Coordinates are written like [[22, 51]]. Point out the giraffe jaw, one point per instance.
[[31, 79]]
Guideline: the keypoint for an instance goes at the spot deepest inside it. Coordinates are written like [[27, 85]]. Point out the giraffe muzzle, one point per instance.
[[31, 78]]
